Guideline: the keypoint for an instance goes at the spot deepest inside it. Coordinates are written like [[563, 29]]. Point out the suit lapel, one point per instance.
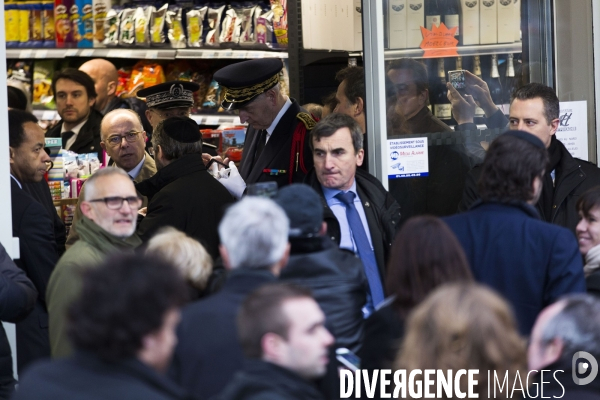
[[250, 143]]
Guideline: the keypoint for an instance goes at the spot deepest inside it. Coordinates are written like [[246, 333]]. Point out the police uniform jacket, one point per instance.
[[88, 139]]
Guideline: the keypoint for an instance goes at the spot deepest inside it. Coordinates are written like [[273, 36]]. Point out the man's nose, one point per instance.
[[243, 117]]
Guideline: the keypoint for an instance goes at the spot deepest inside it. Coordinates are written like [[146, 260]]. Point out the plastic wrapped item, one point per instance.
[[127, 27], [280, 22], [83, 165], [100, 10], [85, 26], [175, 27], [70, 166], [94, 162], [202, 79], [212, 95], [111, 27], [249, 16], [42, 83], [123, 82], [48, 25], [144, 74], [265, 36], [231, 27], [142, 25], [157, 26], [195, 23], [20, 72], [212, 26]]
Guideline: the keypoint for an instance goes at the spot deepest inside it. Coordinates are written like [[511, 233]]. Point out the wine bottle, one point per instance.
[[459, 62], [511, 83], [441, 108], [451, 17], [432, 14], [494, 81]]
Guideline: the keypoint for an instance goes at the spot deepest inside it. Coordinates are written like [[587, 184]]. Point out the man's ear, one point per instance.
[[91, 101], [271, 344], [360, 157], [103, 145], [86, 209], [555, 124], [11, 153], [111, 88], [553, 351], [360, 106]]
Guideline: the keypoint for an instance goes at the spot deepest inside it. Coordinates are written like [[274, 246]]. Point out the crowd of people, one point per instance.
[[175, 283]]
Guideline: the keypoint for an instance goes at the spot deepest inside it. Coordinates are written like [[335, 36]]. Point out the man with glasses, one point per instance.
[[124, 141], [107, 226]]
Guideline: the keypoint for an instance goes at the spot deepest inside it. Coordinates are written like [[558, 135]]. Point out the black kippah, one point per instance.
[[528, 137], [182, 129]]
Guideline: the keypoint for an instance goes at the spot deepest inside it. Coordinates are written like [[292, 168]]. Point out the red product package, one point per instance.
[[65, 36]]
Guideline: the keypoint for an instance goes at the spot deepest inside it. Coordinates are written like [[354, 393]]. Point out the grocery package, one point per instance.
[[157, 26], [65, 36], [100, 9], [24, 27], [20, 72], [212, 95], [142, 25], [111, 27], [11, 24], [174, 22], [36, 24], [233, 143], [231, 27], [195, 22], [265, 33], [127, 27], [144, 74], [84, 29], [42, 81], [212, 26], [123, 82], [280, 22], [48, 25], [249, 16]]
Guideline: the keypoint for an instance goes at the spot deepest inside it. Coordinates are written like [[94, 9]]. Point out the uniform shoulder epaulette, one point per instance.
[[307, 119]]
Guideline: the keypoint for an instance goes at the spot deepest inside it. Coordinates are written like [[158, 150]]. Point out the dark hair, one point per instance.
[[537, 90], [171, 148], [332, 123], [419, 71], [355, 82], [77, 76], [121, 301], [588, 201], [16, 120], [16, 98], [509, 169], [262, 313], [425, 254], [330, 101]]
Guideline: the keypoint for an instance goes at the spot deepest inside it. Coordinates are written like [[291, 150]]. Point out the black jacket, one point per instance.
[[38, 256], [208, 353], [17, 299], [88, 138], [84, 376], [337, 281], [277, 152], [592, 283], [576, 177], [41, 192], [260, 380], [185, 196], [381, 209], [384, 330]]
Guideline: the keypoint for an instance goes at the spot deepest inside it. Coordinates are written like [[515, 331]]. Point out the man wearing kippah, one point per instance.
[[532, 263], [182, 194], [276, 146]]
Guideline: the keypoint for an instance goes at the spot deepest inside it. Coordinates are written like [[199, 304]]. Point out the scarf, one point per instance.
[[547, 197], [592, 261]]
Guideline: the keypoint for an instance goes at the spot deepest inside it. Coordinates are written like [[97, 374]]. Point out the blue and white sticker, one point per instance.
[[407, 158]]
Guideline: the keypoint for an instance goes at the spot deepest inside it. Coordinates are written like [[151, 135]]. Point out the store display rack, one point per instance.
[[475, 50]]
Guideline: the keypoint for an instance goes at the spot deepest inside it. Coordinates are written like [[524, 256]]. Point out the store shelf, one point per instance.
[[482, 49], [149, 54]]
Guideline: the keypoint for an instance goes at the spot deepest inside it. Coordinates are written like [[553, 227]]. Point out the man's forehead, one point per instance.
[[123, 122], [67, 82], [535, 105], [401, 76], [303, 312]]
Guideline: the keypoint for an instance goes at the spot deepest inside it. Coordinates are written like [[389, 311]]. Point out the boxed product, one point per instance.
[[65, 37], [488, 22], [48, 25], [100, 9], [11, 24], [85, 24]]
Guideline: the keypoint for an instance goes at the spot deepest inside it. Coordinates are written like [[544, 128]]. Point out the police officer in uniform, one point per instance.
[[277, 140]]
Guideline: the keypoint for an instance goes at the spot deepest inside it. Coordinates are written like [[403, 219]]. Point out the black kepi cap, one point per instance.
[[171, 94], [182, 129], [303, 207], [245, 80]]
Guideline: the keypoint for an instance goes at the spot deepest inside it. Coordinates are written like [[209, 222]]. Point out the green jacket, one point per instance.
[[94, 246]]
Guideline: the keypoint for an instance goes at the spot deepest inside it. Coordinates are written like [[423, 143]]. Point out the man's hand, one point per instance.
[[477, 88], [463, 108]]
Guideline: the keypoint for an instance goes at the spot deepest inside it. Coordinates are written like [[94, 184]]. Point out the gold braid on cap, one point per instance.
[[241, 95]]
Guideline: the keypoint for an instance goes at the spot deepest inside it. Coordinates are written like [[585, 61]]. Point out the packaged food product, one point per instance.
[[62, 20], [153, 74], [175, 27], [202, 79], [83, 165], [212, 95], [36, 24], [249, 18], [157, 26], [11, 24], [48, 27], [231, 27], [123, 82], [24, 24], [85, 26], [20, 74], [178, 70], [94, 162], [111, 27], [195, 22], [265, 35], [280, 22], [144, 74], [142, 25], [75, 18], [127, 27], [212, 26], [42, 83], [101, 8], [136, 79]]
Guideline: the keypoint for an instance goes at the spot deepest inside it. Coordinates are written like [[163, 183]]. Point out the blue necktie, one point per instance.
[[365, 251]]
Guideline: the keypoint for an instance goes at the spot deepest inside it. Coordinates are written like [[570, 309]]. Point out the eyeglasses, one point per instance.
[[115, 203], [116, 140], [173, 113]]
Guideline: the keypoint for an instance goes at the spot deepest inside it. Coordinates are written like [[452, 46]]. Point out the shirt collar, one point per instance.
[[283, 110], [16, 180], [331, 193], [136, 170], [76, 128]]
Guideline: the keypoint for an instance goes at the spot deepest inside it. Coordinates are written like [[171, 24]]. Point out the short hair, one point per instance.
[[76, 76], [186, 253], [588, 201], [355, 82], [534, 90], [464, 326], [171, 148], [330, 101], [510, 166], [262, 313], [120, 111], [17, 98], [254, 231], [419, 71], [425, 254], [90, 183], [334, 122], [16, 120], [315, 109], [577, 325], [121, 301]]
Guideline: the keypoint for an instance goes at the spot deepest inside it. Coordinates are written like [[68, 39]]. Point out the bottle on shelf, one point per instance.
[[441, 105], [511, 82], [493, 81], [452, 17], [459, 63], [432, 14], [477, 72]]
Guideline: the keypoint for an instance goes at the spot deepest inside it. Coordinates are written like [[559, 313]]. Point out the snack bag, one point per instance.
[[231, 27], [212, 95], [250, 17], [212, 26], [123, 82], [36, 24], [265, 36], [157, 26], [136, 79], [195, 22], [100, 9], [153, 74], [127, 27], [83, 165], [111, 27], [175, 27], [280, 22], [142, 25], [25, 10], [42, 83]]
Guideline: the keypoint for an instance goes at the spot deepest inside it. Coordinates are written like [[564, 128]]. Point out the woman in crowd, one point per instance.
[[588, 237], [425, 254], [465, 326]]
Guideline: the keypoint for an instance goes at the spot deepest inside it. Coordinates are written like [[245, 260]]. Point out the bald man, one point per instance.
[[106, 80], [124, 140]]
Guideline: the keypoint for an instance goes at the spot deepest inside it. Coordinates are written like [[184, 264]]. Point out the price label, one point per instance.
[[152, 54], [87, 52], [211, 54], [240, 54], [228, 54], [71, 53], [25, 54], [41, 54]]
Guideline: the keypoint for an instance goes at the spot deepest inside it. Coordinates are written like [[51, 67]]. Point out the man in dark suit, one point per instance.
[[360, 214], [276, 146], [34, 228], [75, 97], [254, 236], [530, 262]]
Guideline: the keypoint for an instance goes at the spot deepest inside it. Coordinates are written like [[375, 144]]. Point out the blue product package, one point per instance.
[[85, 25]]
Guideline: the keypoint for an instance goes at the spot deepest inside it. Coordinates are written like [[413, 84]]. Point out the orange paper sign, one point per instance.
[[439, 41]]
